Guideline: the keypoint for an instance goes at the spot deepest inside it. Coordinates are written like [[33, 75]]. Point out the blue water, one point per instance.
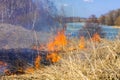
[[110, 32], [73, 30]]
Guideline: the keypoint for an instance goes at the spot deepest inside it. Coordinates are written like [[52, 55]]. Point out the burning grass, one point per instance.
[[76, 59], [59, 42], [53, 57], [82, 43], [37, 62], [98, 61]]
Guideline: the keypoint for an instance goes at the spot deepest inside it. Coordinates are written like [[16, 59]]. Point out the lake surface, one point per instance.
[[73, 30]]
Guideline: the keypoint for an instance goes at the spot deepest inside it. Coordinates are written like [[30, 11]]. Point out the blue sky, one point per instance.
[[84, 8]]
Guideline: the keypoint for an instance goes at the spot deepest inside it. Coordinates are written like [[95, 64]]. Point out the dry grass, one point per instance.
[[98, 61]]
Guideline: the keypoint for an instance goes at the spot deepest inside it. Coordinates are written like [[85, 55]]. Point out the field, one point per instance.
[[94, 61], [59, 40]]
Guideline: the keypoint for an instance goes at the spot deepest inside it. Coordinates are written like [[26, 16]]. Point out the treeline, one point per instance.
[[112, 18], [29, 13]]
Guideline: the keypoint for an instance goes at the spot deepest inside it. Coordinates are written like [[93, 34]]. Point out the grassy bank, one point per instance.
[[97, 61]]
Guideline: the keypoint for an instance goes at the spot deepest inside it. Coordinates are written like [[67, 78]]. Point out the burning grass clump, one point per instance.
[[58, 43], [96, 59]]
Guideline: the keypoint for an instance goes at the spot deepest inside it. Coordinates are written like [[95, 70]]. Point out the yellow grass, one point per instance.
[[98, 61]]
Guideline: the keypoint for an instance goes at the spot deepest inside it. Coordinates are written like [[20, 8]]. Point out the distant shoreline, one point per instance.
[[116, 26]]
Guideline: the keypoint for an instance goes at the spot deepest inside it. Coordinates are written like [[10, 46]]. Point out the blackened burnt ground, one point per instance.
[[22, 58]]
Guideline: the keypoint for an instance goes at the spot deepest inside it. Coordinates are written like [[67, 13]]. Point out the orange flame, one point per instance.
[[51, 46], [59, 41], [82, 42], [37, 62], [53, 57], [29, 70], [96, 37]]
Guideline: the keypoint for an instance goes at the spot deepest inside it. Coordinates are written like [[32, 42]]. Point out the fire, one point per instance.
[[82, 43], [51, 46], [59, 42], [29, 70], [96, 37], [60, 39], [37, 62], [53, 57]]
